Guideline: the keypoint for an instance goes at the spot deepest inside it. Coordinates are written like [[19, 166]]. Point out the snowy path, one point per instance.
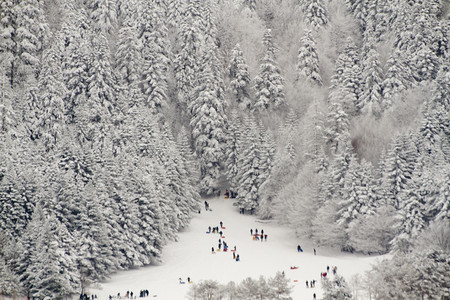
[[191, 257]]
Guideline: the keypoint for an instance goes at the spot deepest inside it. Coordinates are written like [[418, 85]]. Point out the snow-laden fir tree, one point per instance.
[[326, 230], [155, 56], [346, 79], [336, 288], [269, 84], [188, 59], [337, 127], [239, 77], [94, 113], [51, 272], [104, 15], [308, 60], [31, 37], [398, 169], [359, 197], [8, 46], [397, 79], [75, 53], [315, 13], [128, 55], [232, 150], [371, 101], [52, 92], [249, 168], [208, 123]]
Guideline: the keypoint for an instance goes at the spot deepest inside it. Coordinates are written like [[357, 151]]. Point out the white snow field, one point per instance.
[[192, 257]]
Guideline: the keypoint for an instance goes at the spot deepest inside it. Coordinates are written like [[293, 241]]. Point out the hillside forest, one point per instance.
[[119, 117]]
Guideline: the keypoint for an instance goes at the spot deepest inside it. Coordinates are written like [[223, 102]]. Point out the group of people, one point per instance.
[[131, 295], [86, 297], [222, 242], [183, 282], [257, 237], [311, 284]]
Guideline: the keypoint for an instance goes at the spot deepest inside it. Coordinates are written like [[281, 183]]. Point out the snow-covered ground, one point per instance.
[[192, 257]]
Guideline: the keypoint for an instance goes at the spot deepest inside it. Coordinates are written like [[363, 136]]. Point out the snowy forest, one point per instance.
[[118, 118]]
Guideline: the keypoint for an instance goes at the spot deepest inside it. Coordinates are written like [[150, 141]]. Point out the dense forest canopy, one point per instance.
[[331, 117]]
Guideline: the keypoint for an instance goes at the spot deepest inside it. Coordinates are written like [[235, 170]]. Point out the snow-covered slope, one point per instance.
[[192, 257]]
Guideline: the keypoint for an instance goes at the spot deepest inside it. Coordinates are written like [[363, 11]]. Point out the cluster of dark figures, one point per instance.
[[86, 297], [183, 282], [311, 284], [324, 274], [257, 237], [131, 295]]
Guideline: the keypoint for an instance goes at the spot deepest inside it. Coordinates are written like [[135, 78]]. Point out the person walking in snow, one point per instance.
[[209, 229], [262, 232], [265, 237], [314, 296], [212, 249], [221, 224], [307, 283], [299, 249], [221, 233], [234, 255], [256, 231], [314, 251], [251, 231]]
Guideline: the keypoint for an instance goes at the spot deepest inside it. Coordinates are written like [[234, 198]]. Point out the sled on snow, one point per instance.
[[294, 268]]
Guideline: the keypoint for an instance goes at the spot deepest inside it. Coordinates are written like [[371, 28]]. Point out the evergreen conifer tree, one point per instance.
[[315, 12], [240, 78], [269, 84], [308, 60]]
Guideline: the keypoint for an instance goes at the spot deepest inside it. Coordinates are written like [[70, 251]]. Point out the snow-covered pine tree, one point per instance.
[[398, 169], [239, 78], [371, 101], [346, 79], [336, 288], [188, 59], [232, 150], [52, 92], [308, 60], [128, 55], [9, 283], [51, 272], [336, 127], [359, 197], [249, 168], [269, 84], [208, 123], [315, 13], [31, 37], [326, 229], [279, 287], [94, 113], [75, 52], [155, 56], [8, 45], [104, 15], [397, 79]]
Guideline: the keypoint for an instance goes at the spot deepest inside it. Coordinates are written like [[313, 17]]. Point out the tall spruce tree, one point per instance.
[[239, 78], [308, 60], [269, 84]]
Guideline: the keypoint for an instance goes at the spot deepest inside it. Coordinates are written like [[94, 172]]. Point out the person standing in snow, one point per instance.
[[314, 296], [209, 229], [251, 231], [212, 249], [299, 249], [314, 251], [221, 224], [265, 237]]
